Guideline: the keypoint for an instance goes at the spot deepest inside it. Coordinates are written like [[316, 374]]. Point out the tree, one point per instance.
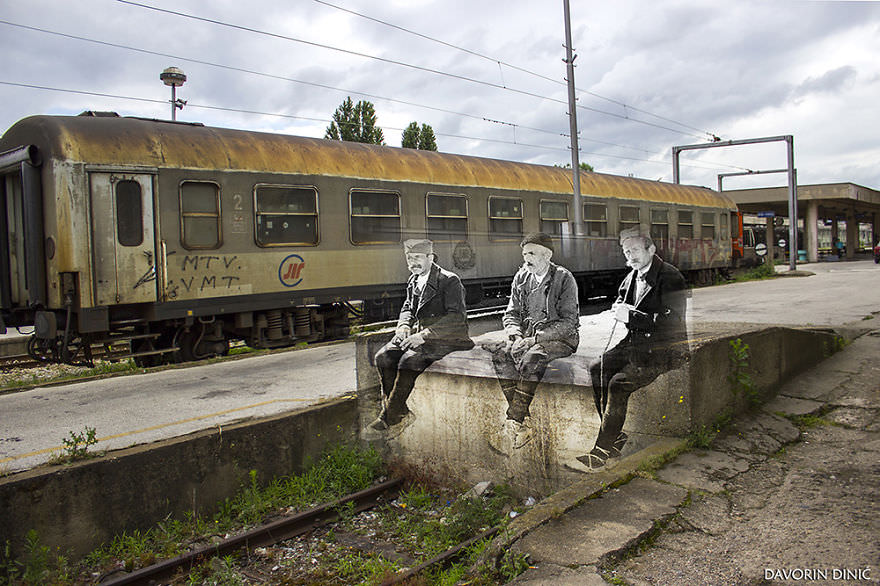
[[584, 167], [415, 138], [355, 123], [427, 141]]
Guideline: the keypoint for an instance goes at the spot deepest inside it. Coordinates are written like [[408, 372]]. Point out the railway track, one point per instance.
[[99, 352], [265, 535], [278, 531]]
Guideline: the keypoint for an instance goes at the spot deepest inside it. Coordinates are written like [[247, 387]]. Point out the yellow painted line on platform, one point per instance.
[[155, 427]]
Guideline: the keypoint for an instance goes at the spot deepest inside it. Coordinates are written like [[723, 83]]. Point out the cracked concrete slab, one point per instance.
[[545, 574], [792, 405], [712, 517], [601, 526], [754, 437], [705, 470]]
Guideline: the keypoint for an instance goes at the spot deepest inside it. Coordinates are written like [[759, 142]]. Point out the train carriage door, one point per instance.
[[123, 238]]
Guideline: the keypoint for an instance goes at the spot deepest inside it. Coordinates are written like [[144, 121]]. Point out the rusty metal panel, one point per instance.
[[118, 141], [124, 271]]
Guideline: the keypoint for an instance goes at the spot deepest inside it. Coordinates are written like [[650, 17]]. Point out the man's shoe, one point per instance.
[[378, 424], [618, 444], [596, 459]]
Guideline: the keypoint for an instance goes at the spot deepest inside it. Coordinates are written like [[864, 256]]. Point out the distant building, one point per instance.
[[827, 211]]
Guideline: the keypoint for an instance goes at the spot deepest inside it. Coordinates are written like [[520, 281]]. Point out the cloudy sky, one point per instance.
[[487, 75]]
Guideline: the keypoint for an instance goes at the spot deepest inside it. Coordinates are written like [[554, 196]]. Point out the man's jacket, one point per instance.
[[658, 320], [561, 310], [438, 314]]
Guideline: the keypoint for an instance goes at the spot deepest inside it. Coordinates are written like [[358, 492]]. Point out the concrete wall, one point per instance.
[[458, 403], [75, 508]]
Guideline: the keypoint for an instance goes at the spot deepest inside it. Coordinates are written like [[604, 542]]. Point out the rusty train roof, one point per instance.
[[154, 143]]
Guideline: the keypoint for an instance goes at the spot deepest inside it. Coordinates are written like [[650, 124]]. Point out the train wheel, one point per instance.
[[194, 344]]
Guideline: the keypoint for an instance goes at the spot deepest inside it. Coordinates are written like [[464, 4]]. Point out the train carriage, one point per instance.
[[181, 237]]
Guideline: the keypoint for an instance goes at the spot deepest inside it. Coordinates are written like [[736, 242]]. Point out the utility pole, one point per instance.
[[573, 124]]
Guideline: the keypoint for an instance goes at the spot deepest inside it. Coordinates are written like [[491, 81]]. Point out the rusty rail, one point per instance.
[[263, 536]]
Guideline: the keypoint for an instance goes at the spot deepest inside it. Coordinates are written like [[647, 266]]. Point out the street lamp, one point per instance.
[[174, 77]]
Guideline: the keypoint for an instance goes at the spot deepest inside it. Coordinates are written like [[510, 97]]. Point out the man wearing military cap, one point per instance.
[[432, 323], [651, 304], [540, 325]]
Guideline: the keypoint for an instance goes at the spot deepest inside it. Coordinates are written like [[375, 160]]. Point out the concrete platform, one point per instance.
[[458, 404]]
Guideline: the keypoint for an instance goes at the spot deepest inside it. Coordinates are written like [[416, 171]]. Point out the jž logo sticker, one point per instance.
[[290, 270]]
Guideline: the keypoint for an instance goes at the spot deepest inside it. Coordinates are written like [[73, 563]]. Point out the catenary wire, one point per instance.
[[299, 81], [500, 62], [325, 120], [399, 63]]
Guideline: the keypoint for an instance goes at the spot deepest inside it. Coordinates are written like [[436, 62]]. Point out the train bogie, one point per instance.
[[180, 238]]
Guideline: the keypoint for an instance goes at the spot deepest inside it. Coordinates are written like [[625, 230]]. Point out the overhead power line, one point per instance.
[[299, 81], [327, 120], [399, 63], [500, 62]]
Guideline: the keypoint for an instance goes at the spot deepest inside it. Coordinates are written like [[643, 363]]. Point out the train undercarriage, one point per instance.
[[151, 343]]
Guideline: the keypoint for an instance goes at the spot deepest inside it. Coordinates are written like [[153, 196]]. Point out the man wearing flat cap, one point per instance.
[[651, 304], [540, 325], [432, 324]]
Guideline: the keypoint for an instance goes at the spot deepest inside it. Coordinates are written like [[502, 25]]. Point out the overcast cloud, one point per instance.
[[650, 75]]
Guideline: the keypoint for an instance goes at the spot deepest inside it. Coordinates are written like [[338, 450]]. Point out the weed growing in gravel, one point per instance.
[[740, 377], [763, 271], [422, 522], [705, 434], [76, 447], [837, 344], [809, 420], [340, 471]]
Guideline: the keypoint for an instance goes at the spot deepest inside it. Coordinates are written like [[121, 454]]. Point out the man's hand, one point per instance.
[[522, 345], [621, 311], [401, 334], [412, 342]]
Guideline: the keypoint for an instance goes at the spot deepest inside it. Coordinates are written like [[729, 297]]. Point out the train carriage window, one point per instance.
[[596, 220], [554, 217], [375, 216], [707, 225], [685, 224], [629, 217], [200, 214], [286, 215], [505, 217], [129, 213], [446, 216], [660, 225]]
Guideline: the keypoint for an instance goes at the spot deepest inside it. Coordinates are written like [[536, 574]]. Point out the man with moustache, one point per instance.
[[432, 323], [540, 325], [651, 304]]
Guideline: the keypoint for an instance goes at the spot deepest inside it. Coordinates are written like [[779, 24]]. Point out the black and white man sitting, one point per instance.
[[540, 325], [651, 304], [432, 323]]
